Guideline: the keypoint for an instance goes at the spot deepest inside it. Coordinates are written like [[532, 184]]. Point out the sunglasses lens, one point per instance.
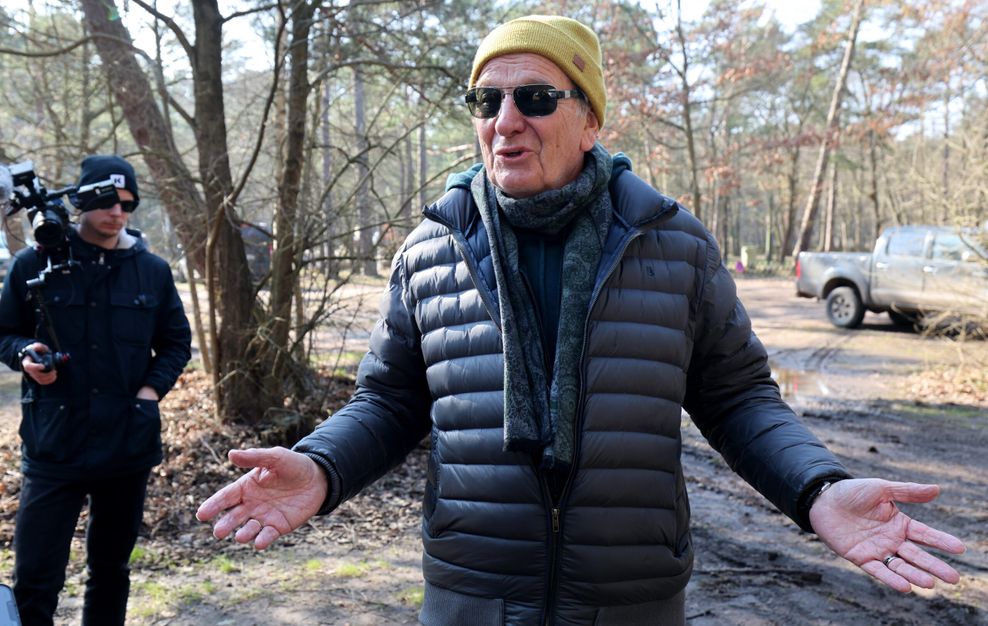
[[534, 100], [104, 202], [128, 206], [531, 100], [484, 102]]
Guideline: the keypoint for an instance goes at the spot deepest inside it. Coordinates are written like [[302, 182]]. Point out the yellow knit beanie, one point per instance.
[[567, 43]]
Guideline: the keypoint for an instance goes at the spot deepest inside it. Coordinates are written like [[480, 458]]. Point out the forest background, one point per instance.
[[335, 122]]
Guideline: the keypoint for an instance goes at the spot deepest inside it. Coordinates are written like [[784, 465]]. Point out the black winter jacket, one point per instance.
[[665, 331], [119, 316]]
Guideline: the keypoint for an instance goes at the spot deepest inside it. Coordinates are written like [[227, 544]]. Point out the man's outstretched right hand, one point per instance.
[[280, 493]]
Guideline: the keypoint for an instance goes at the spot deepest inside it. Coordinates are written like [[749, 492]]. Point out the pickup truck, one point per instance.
[[911, 271]]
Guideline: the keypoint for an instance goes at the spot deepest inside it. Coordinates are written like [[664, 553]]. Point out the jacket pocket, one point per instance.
[[47, 430], [144, 431], [126, 433], [67, 310], [133, 316], [444, 607]]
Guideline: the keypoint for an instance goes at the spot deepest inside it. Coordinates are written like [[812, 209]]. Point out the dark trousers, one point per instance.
[[46, 519]]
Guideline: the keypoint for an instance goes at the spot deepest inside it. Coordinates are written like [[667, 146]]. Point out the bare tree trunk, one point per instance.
[[404, 187], [132, 90], [424, 165], [204, 354], [946, 145], [982, 192], [284, 277], [769, 220], [686, 98], [238, 392], [331, 267], [873, 192], [409, 177], [198, 326], [734, 218], [789, 216], [85, 105], [365, 263], [828, 229], [830, 133]]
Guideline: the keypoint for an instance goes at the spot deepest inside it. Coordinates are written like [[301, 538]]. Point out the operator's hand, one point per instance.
[[858, 519], [282, 491], [36, 370], [148, 393]]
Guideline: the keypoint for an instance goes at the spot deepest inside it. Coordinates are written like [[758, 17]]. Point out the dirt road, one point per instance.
[[858, 391], [865, 393]]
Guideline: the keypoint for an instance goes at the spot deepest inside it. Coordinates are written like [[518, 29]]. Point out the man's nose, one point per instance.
[[509, 119]]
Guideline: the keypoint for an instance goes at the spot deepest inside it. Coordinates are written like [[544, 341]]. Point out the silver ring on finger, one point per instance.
[[887, 561]]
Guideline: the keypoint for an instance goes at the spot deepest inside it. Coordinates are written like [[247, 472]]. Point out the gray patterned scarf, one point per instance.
[[539, 414]]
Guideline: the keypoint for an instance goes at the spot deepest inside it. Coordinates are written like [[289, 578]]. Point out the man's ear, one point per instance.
[[590, 131]]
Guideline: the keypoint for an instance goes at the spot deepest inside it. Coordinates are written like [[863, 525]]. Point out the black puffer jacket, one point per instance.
[[118, 315], [665, 331]]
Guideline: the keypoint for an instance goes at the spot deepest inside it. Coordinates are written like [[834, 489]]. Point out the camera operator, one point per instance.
[[90, 424]]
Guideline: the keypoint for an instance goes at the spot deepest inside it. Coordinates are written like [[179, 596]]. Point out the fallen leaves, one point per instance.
[[195, 465]]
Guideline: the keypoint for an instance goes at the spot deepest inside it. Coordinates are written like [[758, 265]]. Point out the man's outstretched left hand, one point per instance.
[[859, 520]]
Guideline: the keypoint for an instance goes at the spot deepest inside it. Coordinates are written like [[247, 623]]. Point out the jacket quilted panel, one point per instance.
[[619, 536]]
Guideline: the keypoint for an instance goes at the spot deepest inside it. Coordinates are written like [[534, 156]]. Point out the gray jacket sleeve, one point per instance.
[[389, 413], [733, 400]]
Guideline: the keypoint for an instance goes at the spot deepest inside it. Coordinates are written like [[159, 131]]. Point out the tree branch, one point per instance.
[[246, 12], [172, 26]]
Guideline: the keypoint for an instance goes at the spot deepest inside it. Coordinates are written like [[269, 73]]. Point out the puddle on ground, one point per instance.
[[797, 383]]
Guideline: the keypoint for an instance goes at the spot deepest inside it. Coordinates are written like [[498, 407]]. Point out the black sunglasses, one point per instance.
[[531, 100], [127, 206]]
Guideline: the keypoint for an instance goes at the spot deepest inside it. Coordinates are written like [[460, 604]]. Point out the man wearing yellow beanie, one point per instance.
[[546, 325]]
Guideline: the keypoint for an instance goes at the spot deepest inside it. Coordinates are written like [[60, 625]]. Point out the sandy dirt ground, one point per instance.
[[866, 393]]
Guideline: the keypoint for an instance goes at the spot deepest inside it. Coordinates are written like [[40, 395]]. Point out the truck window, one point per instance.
[[948, 247], [906, 244]]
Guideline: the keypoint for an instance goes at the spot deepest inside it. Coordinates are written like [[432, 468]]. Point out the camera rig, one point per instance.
[[20, 189]]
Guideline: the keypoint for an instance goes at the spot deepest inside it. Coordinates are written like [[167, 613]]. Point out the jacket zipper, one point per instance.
[[556, 509], [554, 516]]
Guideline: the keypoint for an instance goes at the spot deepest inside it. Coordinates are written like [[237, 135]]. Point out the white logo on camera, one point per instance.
[[118, 180]]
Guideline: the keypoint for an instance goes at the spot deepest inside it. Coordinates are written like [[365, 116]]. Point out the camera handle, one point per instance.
[[40, 308]]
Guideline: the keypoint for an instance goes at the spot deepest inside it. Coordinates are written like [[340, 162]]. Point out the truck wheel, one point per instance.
[[844, 308]]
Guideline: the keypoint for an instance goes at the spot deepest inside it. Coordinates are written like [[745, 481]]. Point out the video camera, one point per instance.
[[20, 189]]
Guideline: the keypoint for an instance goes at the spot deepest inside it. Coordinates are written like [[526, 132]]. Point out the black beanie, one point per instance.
[[100, 167]]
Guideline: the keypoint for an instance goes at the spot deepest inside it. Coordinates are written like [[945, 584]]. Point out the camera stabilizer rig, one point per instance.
[[20, 189]]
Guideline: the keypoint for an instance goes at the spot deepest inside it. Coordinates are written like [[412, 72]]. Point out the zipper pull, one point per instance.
[[101, 261], [555, 520]]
